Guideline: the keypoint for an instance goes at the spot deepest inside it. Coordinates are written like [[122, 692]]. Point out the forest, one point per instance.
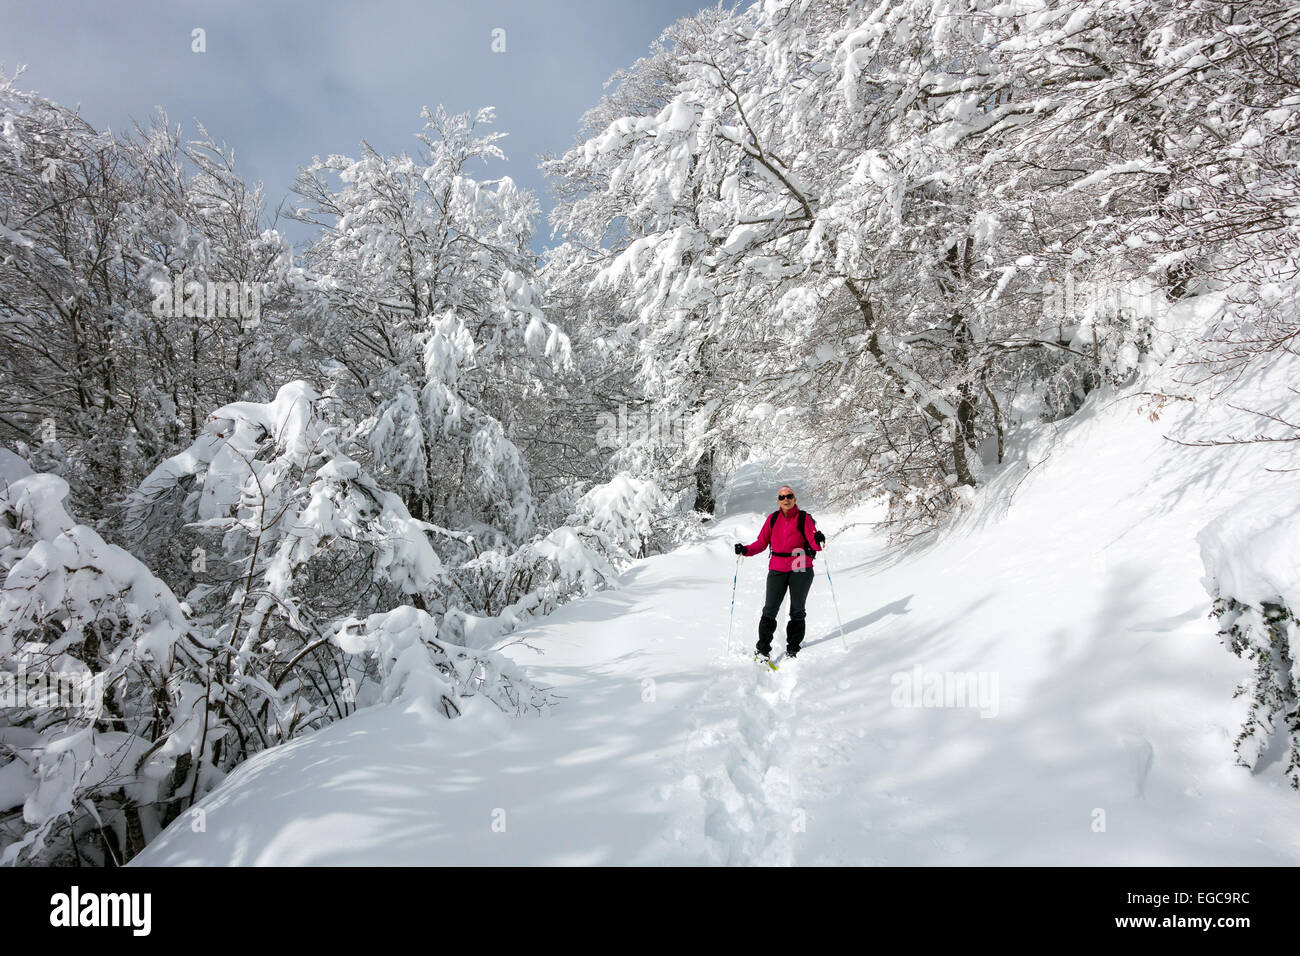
[[248, 488]]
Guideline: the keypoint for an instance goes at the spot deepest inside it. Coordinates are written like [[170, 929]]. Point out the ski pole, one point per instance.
[[837, 605], [733, 602]]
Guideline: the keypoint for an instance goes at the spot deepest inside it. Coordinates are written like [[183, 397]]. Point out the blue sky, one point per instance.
[[283, 81]]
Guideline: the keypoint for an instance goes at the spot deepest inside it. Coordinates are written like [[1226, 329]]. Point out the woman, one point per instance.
[[794, 539]]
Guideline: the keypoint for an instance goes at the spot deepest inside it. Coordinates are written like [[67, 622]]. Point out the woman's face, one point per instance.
[[786, 502]]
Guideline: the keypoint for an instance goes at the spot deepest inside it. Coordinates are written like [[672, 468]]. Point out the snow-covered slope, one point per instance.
[[1074, 583]]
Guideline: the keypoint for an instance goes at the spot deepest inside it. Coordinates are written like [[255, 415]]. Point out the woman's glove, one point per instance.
[[740, 549], [819, 538]]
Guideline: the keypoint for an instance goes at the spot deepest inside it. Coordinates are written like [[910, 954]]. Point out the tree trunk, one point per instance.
[[134, 830], [704, 500]]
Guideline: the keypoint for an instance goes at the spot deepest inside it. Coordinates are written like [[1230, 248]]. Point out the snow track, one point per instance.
[[742, 757]]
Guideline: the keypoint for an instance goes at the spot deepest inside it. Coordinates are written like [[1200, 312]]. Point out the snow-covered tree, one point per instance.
[[122, 262], [82, 616], [284, 534], [860, 213], [435, 326], [787, 239]]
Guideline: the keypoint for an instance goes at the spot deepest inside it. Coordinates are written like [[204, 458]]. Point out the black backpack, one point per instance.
[[807, 547]]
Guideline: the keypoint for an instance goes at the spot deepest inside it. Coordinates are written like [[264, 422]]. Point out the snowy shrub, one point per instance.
[[918, 507], [287, 512], [288, 516], [1252, 562], [74, 607], [294, 515], [1268, 636], [1105, 334], [302, 610], [622, 511], [538, 577], [414, 663], [609, 525]]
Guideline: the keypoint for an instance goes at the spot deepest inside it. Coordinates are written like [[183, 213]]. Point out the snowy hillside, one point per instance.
[[1072, 589]]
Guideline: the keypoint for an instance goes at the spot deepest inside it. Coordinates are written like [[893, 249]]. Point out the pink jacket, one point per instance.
[[784, 536]]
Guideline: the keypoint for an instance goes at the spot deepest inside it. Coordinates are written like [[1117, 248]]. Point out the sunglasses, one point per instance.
[[783, 497]]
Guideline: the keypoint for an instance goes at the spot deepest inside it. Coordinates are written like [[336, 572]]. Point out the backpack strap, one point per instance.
[[807, 545]]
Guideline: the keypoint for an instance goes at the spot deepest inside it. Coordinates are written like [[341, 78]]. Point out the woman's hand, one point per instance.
[[740, 550], [820, 539]]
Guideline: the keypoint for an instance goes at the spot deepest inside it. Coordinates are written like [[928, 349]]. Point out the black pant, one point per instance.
[[778, 582]]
